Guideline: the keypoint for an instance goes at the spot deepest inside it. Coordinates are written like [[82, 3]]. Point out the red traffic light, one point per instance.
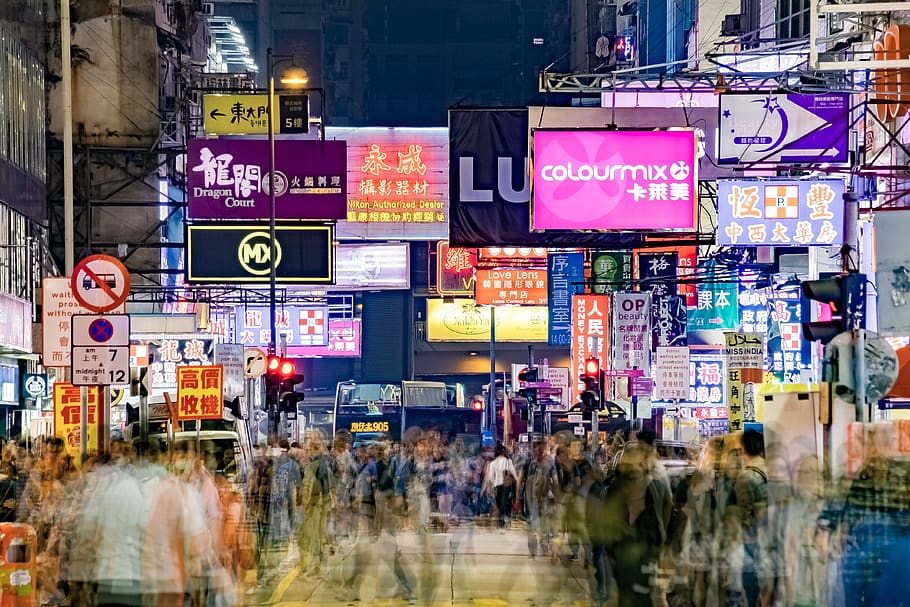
[[478, 405], [592, 366], [280, 367]]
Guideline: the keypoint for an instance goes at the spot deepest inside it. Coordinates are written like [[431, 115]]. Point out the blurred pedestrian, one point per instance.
[[500, 482]]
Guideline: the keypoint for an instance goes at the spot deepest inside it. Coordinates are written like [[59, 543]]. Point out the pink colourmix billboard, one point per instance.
[[614, 180]]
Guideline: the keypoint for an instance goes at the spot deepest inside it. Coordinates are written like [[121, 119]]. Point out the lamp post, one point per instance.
[[297, 78]]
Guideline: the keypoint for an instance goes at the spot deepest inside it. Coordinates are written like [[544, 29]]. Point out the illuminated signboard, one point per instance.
[[372, 266], [518, 286], [455, 269], [340, 339], [463, 320], [614, 180], [590, 325], [514, 253], [780, 212], [397, 182]]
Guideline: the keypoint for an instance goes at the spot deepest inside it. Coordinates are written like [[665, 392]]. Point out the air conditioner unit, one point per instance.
[[732, 26]]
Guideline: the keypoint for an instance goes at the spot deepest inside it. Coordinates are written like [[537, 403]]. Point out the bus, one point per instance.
[[378, 411]]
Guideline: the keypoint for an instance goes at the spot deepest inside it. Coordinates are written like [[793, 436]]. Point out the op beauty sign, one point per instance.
[[614, 180]]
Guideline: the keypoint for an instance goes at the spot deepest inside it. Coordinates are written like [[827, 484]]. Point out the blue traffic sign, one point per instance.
[[101, 330]]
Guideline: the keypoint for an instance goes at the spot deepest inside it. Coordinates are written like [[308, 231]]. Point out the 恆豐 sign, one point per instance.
[[228, 179], [780, 212], [614, 180]]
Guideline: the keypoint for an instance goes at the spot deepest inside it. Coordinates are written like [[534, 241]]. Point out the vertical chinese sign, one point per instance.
[[200, 392], [567, 275], [454, 269], [745, 353], [67, 421], [590, 316], [717, 305], [632, 332], [658, 273]]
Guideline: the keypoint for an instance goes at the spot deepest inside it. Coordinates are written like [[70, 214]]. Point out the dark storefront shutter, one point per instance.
[[385, 336]]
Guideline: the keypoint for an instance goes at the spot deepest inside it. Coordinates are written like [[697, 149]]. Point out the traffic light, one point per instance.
[[845, 296], [529, 376], [591, 397], [278, 371]]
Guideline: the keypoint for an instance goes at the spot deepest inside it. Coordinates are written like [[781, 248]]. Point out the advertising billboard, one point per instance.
[[372, 266], [780, 212], [513, 286], [489, 186], [783, 128], [463, 320], [240, 253], [228, 179], [566, 278], [397, 182], [342, 335], [614, 180]]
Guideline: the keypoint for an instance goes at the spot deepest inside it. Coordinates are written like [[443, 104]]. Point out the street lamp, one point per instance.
[[295, 77]]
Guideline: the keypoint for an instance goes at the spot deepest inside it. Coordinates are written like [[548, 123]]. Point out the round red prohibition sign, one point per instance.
[[100, 283]]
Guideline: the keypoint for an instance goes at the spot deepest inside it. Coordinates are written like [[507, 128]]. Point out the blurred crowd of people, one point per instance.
[[148, 525]]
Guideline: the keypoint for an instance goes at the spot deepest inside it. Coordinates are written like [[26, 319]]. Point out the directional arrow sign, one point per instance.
[[216, 113], [783, 128]]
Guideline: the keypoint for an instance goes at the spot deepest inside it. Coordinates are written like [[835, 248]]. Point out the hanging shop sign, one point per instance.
[[67, 417], [566, 279], [717, 305], [228, 253], [891, 86], [706, 383], [513, 286], [668, 320], [590, 335], [892, 273], [296, 326], [463, 320], [489, 186], [372, 266], [455, 269], [614, 180], [632, 332], [166, 354], [513, 253], [780, 212], [200, 392], [610, 271], [249, 114], [228, 179], [784, 128], [15, 323], [397, 182], [342, 336]]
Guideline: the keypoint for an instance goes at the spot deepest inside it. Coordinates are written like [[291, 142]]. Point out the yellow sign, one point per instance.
[[735, 399], [67, 420], [237, 114], [462, 320], [369, 426], [200, 392]]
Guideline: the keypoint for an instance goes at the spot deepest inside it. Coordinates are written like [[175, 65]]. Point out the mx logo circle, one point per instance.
[[253, 253]]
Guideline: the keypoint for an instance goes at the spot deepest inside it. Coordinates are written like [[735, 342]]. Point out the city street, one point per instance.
[[467, 566]]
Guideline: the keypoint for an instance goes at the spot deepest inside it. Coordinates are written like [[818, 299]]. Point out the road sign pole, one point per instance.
[[863, 412], [83, 422], [104, 420], [144, 418]]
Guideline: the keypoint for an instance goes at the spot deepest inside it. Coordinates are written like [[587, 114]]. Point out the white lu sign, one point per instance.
[[58, 307], [671, 373]]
